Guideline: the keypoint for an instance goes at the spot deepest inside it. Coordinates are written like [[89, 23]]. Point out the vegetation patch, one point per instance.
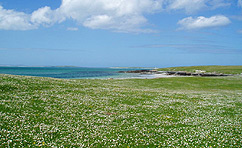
[[209, 69], [166, 112]]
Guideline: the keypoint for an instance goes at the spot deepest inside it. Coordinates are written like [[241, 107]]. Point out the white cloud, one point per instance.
[[240, 31], [45, 16], [115, 15], [118, 24], [190, 23], [13, 20], [121, 16], [240, 3], [99, 21], [42, 16], [79, 10]]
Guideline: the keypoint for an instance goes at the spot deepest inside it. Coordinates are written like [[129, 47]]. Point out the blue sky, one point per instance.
[[108, 33]]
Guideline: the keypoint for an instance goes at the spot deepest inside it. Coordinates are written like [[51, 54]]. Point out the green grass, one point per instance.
[[212, 69], [167, 112]]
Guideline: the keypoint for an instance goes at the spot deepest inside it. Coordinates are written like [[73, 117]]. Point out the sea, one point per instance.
[[72, 72]]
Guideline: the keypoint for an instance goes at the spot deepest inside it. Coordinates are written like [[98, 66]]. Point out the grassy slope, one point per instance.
[[216, 69], [165, 112]]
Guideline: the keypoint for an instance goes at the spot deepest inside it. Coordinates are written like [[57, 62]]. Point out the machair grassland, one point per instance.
[[165, 112]]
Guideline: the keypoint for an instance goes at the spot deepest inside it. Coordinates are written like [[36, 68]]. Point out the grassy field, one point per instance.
[[210, 69], [166, 112]]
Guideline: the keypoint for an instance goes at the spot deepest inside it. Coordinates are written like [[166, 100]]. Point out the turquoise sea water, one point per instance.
[[69, 72]]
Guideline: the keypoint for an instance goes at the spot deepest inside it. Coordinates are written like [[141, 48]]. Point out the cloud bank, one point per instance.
[[125, 15], [115, 15], [190, 23]]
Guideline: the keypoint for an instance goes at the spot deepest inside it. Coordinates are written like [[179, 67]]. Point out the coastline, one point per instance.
[[110, 73], [156, 73]]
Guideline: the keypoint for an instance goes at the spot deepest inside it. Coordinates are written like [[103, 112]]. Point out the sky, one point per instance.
[[120, 33]]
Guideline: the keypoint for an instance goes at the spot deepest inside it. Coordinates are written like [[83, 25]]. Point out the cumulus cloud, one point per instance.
[[98, 21], [115, 15], [42, 16], [124, 16], [120, 24], [79, 10], [45, 16], [13, 20], [190, 23]]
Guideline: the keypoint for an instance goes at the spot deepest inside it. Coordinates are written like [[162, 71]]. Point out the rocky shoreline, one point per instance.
[[177, 73]]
